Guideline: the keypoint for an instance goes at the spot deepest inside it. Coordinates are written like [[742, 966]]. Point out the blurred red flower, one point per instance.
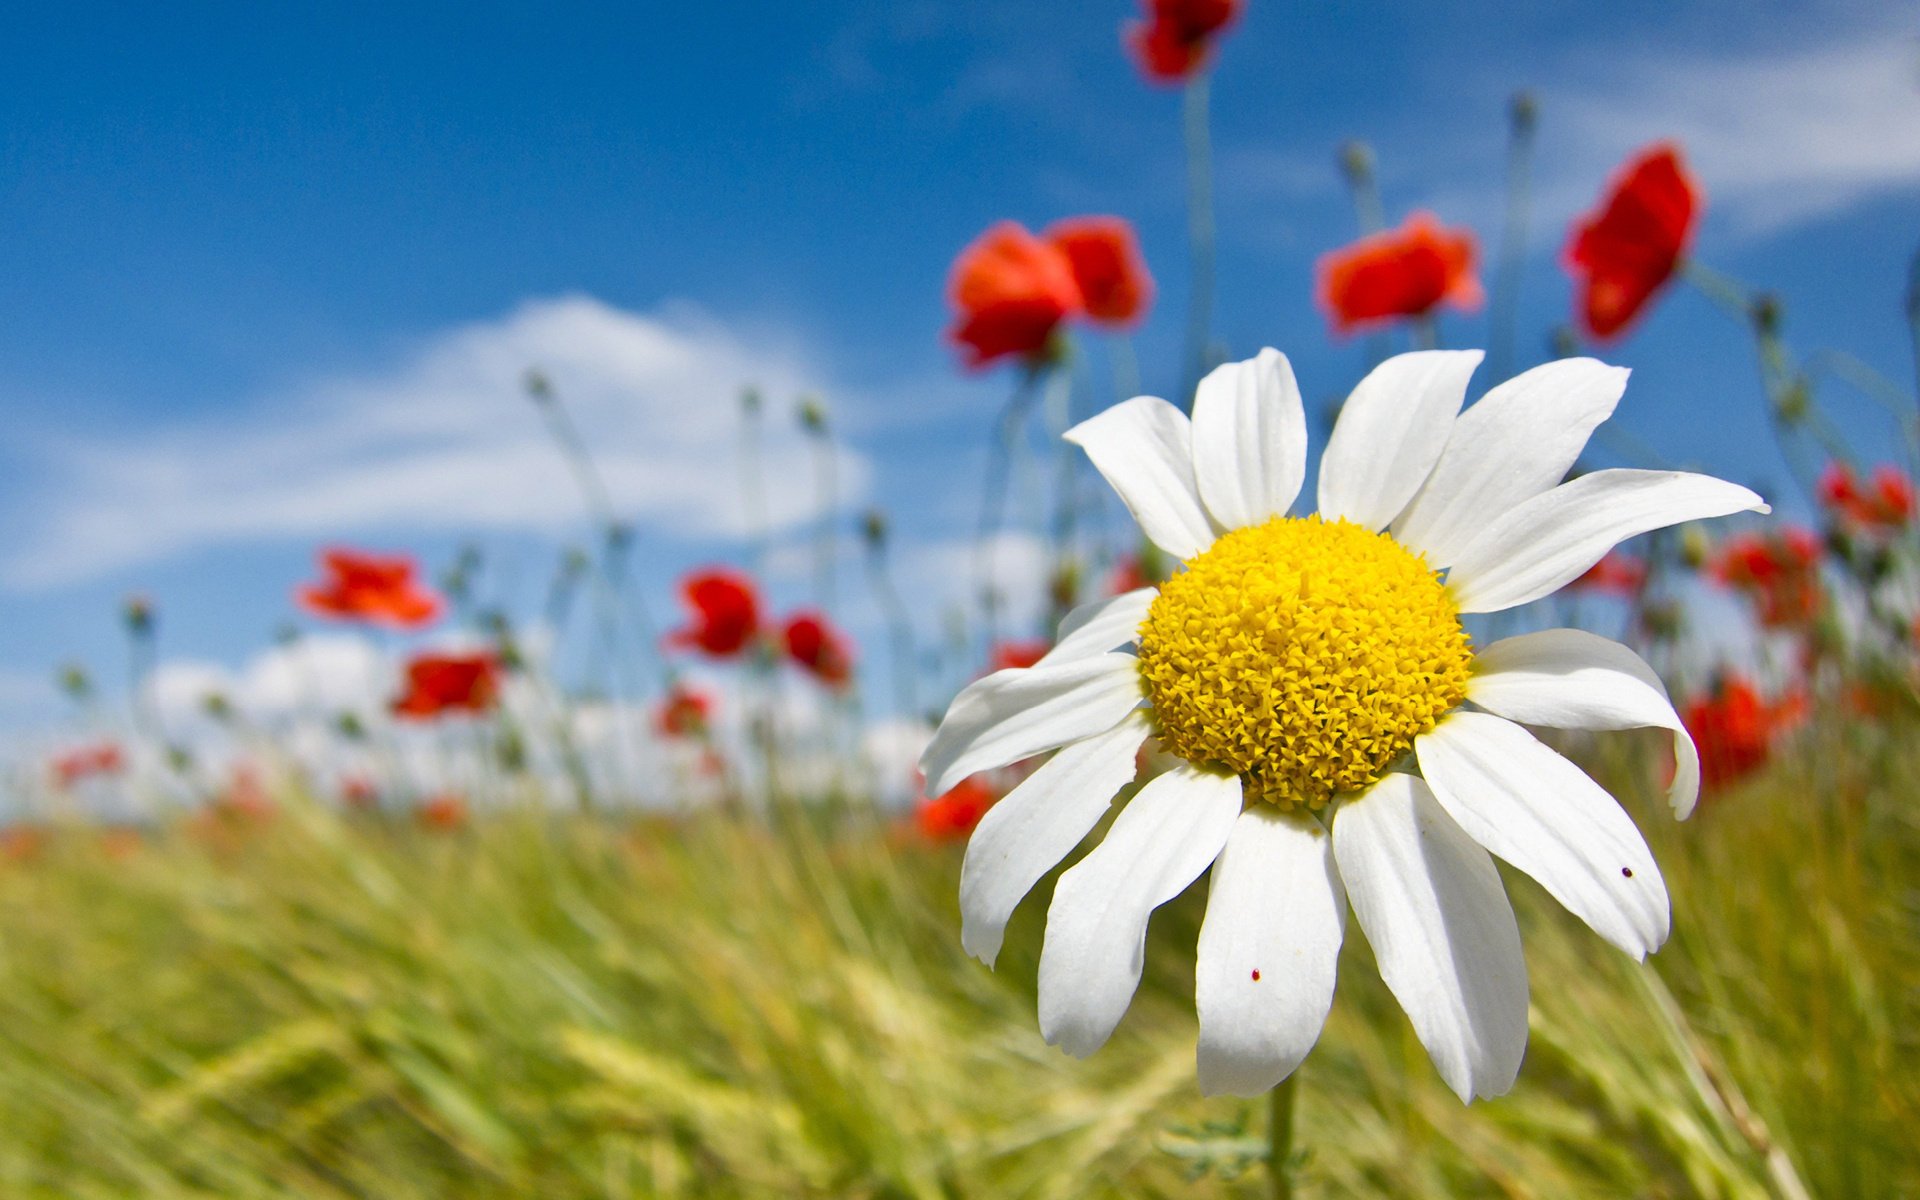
[[1177, 36], [725, 609], [378, 589], [1024, 653], [820, 648], [1627, 249], [1778, 570], [1884, 504], [684, 712], [952, 817], [442, 813], [1012, 290], [1617, 572], [1735, 728], [1107, 266], [359, 793], [438, 684], [1129, 575], [22, 843], [1398, 273], [85, 762]]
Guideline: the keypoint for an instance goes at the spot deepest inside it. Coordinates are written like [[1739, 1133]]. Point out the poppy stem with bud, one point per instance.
[[899, 624], [813, 422], [1200, 231], [1522, 117]]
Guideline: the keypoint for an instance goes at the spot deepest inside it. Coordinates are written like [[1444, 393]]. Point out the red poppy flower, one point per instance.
[[22, 843], [1175, 39], [359, 793], [1779, 571], [377, 589], [1107, 266], [952, 817], [1399, 273], [438, 684], [1007, 655], [442, 813], [1884, 504], [1012, 290], [685, 712], [819, 648], [1129, 575], [1627, 249], [726, 613], [1617, 573], [1736, 727], [86, 762]]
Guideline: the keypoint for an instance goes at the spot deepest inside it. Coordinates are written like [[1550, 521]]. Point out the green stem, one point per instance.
[[993, 497], [1504, 311], [1200, 232], [1280, 1137]]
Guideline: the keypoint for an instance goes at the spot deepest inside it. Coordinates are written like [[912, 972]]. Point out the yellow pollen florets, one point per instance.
[[1305, 655]]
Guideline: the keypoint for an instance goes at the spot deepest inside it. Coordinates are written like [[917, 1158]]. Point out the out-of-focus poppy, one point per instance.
[[1778, 571], [22, 843], [725, 609], [1023, 653], [1107, 265], [1883, 504], [438, 684], [359, 793], [86, 762], [1397, 274], [1012, 290], [1736, 727], [952, 817], [818, 647], [442, 813], [684, 712], [1129, 575], [1617, 573], [1177, 37], [377, 589], [1621, 254]]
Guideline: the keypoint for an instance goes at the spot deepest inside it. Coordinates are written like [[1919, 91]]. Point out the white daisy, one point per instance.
[[1343, 741]]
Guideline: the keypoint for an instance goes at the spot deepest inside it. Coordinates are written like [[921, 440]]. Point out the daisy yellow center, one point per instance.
[[1304, 655]]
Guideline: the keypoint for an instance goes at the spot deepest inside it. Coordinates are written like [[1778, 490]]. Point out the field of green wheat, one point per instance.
[[324, 1005]]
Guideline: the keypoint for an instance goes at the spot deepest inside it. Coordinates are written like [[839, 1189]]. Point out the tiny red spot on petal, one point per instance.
[[1627, 871], [1256, 974]]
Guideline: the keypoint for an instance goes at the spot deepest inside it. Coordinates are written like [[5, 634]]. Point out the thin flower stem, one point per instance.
[[1913, 324], [1059, 411], [899, 622], [1504, 312], [1280, 1103], [826, 549], [753, 484], [1200, 232], [993, 496]]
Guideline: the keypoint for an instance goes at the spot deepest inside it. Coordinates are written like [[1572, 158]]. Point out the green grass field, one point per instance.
[[325, 1006]]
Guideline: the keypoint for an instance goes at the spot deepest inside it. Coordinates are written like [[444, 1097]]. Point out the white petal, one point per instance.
[[1268, 951], [1036, 825], [1014, 714], [1249, 440], [1525, 803], [1144, 447], [1548, 541], [1520, 439], [1097, 925], [1442, 930], [1390, 433], [1572, 679], [1101, 625]]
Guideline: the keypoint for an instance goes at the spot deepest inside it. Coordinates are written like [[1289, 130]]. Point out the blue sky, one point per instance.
[[266, 278]]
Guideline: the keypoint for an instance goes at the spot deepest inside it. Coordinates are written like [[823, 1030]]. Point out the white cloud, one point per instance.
[[1777, 138], [446, 440]]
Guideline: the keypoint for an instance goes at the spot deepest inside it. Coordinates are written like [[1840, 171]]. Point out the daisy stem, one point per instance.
[[1200, 232], [1280, 1137]]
